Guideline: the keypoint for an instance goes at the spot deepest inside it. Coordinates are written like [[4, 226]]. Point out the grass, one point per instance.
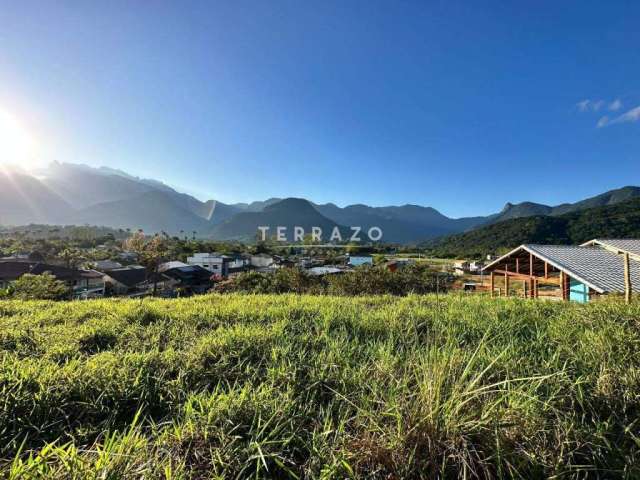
[[243, 386]]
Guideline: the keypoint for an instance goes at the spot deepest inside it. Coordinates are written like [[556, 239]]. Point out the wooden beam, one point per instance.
[[506, 284], [627, 279], [493, 280], [535, 288], [563, 284], [531, 264], [517, 265], [524, 288], [546, 270]]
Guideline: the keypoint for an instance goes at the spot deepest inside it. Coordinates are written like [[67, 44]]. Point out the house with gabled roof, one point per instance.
[[569, 272]]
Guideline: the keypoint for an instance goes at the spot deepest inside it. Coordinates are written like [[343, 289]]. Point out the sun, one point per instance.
[[17, 147]]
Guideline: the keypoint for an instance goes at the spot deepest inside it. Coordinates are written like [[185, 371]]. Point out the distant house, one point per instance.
[[105, 265], [568, 272], [190, 279], [84, 283], [134, 281], [215, 263], [360, 259], [326, 270], [261, 260]]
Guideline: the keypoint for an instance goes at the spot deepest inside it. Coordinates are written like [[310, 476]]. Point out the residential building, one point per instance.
[[190, 279], [213, 262], [87, 283], [105, 265], [356, 260], [134, 281], [568, 272], [261, 260]]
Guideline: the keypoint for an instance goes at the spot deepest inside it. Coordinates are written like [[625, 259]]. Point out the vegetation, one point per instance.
[[365, 280], [615, 221], [38, 287], [296, 386]]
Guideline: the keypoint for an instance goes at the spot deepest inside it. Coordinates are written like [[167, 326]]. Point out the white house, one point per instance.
[[215, 263], [261, 260]]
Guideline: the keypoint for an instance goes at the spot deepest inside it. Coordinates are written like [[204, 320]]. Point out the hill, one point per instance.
[[64, 193], [529, 209], [25, 199], [299, 386], [621, 220], [154, 211], [289, 213]]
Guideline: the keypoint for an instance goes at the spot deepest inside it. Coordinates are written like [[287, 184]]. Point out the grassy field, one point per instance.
[[319, 387]]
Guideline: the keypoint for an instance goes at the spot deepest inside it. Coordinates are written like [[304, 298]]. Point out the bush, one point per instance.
[[39, 287], [363, 280]]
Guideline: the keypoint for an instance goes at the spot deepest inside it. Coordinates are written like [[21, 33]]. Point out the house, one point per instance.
[[261, 260], [326, 270], [134, 281], [84, 283], [360, 259], [190, 279], [213, 262], [91, 285], [567, 272], [105, 265], [460, 267]]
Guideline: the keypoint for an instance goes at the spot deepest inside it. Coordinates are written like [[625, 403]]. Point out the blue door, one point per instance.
[[578, 291]]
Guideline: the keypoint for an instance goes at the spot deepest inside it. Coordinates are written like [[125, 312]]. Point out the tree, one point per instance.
[[151, 253], [39, 287]]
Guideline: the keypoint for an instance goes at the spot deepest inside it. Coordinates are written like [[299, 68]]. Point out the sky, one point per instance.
[[461, 106]]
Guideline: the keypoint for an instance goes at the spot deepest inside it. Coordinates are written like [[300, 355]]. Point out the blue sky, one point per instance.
[[457, 105]]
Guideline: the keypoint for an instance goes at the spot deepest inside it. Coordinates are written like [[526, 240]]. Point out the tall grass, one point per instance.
[[286, 386]]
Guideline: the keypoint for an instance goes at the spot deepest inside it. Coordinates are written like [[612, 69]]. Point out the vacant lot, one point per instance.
[[319, 387]]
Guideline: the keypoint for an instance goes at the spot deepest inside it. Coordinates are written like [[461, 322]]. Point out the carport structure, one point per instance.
[[566, 272]]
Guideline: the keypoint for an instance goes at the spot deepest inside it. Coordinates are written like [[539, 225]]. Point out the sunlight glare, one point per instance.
[[16, 145]]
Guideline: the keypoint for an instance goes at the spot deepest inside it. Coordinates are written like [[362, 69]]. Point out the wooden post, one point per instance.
[[506, 285], [517, 265], [531, 264], [524, 288], [493, 280], [546, 270], [627, 279], [562, 285], [535, 288]]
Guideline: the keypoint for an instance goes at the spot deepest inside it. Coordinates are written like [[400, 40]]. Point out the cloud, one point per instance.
[[588, 105], [632, 115], [615, 105], [583, 106]]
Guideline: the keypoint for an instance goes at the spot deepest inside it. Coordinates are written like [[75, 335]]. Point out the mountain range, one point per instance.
[[64, 193]]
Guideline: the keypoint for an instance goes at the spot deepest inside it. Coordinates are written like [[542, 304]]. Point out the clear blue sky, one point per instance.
[[458, 105]]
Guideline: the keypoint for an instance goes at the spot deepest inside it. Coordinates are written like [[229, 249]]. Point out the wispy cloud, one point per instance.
[[615, 105], [632, 115], [595, 105]]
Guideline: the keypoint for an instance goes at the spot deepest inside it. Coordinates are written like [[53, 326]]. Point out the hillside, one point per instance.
[[64, 193], [153, 211], [529, 209], [620, 220], [287, 213], [298, 386]]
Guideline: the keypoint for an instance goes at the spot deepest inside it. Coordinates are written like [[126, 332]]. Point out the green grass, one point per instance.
[[243, 386]]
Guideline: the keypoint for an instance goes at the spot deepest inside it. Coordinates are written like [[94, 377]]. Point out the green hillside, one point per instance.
[[295, 386], [621, 220]]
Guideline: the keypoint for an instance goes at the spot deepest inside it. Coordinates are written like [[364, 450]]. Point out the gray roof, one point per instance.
[[631, 246], [596, 267]]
